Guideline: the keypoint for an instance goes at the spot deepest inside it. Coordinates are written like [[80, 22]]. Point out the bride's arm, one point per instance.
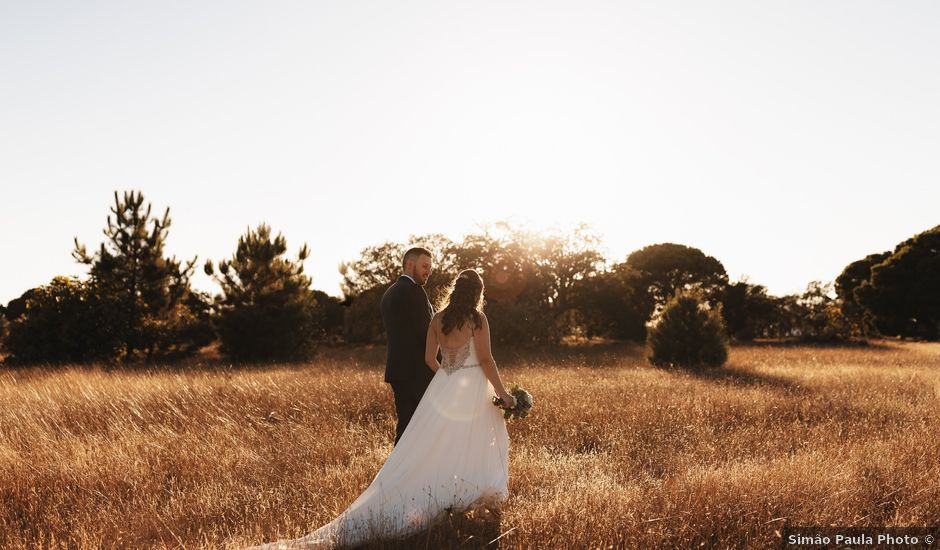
[[430, 348], [485, 354]]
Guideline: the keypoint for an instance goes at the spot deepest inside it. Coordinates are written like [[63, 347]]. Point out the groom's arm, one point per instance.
[[422, 319], [421, 315], [431, 355]]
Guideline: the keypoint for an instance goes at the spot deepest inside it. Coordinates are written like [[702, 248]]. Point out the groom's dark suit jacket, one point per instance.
[[406, 314]]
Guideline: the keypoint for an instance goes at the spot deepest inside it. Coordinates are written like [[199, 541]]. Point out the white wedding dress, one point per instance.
[[453, 454]]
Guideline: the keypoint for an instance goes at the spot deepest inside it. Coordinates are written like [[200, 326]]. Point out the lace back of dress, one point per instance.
[[456, 358]]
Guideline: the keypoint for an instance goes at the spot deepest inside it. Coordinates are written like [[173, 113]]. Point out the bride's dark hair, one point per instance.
[[463, 301]]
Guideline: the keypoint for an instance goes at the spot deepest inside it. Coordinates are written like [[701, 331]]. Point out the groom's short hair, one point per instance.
[[414, 253]]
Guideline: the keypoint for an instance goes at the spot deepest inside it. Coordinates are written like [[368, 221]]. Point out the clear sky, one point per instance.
[[785, 138]]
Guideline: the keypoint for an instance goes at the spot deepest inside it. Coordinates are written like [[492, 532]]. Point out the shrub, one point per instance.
[[687, 335], [62, 322]]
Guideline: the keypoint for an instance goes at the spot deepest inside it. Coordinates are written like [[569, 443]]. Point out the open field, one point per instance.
[[616, 453]]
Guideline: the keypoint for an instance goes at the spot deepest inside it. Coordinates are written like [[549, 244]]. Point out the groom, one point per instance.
[[406, 314]]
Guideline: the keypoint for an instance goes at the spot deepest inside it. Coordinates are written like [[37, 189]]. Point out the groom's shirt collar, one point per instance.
[[410, 277]]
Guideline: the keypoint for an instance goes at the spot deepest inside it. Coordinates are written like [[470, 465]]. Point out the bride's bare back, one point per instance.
[[457, 337]]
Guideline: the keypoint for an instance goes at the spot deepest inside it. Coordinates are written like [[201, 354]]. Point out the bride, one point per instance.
[[453, 455]]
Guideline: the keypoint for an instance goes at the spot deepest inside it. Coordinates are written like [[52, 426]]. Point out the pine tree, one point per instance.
[[131, 269], [267, 309], [687, 335]]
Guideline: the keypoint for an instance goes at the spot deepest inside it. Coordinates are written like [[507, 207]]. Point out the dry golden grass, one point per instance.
[[617, 453]]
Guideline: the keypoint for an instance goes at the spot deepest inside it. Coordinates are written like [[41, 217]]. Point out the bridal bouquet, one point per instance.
[[524, 402]]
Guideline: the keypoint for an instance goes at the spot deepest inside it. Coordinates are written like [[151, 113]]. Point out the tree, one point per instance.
[[363, 320], [17, 306], [851, 278], [610, 304], [688, 334], [569, 258], [783, 320], [4, 329], [529, 278], [130, 268], [903, 294], [330, 315], [819, 316], [669, 267], [188, 327], [813, 316], [378, 265], [747, 310], [267, 309], [62, 322]]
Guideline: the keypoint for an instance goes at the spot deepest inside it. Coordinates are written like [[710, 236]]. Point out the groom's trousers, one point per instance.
[[408, 394]]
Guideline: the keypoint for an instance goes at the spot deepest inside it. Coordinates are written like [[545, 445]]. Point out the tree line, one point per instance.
[[138, 304]]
